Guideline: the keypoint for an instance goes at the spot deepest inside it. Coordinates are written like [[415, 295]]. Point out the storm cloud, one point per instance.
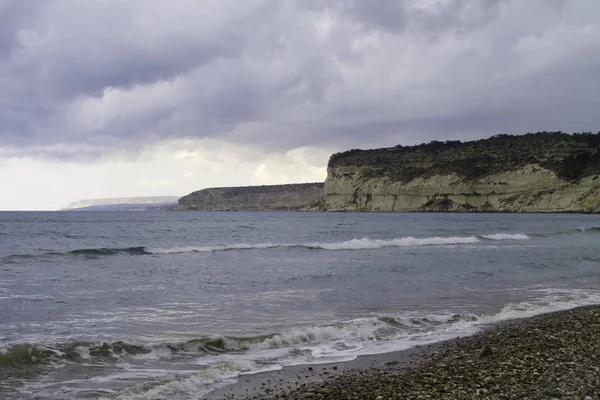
[[87, 78]]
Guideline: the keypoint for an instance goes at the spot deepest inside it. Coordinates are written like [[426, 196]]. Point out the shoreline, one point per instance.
[[271, 384], [308, 211], [548, 356]]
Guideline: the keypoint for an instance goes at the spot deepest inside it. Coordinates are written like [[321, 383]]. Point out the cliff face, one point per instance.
[[543, 172], [254, 198]]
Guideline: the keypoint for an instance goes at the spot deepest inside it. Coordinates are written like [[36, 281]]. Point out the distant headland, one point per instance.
[[148, 203], [536, 172], [292, 197]]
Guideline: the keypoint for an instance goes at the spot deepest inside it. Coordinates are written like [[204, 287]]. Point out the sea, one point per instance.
[[172, 305]]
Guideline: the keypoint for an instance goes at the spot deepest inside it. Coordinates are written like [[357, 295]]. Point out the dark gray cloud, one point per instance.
[[14, 15], [284, 74], [428, 17], [389, 14]]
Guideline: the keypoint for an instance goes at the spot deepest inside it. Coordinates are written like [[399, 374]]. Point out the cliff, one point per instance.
[[542, 172], [299, 196]]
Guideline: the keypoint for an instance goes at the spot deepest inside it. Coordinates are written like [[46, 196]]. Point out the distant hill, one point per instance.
[[149, 203]]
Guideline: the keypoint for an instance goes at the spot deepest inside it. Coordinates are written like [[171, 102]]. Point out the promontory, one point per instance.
[[541, 172], [293, 197]]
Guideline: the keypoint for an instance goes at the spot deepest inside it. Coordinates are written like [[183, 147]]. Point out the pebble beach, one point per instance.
[[550, 356]]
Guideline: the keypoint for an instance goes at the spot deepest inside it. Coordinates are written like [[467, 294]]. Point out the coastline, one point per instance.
[[394, 212], [548, 356]]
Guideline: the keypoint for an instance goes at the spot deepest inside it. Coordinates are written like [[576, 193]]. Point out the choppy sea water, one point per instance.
[[172, 305]]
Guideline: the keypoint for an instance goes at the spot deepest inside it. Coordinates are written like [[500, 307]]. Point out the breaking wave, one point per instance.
[[227, 357], [28, 354], [86, 253], [353, 244], [366, 330], [595, 229], [506, 236], [134, 251]]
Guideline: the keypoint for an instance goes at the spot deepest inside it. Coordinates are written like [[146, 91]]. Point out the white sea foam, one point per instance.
[[549, 300], [354, 244], [83, 352], [194, 386], [304, 336], [366, 243], [159, 352], [506, 236]]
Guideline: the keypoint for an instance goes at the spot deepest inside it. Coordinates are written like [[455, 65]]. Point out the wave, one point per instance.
[[196, 386], [219, 359], [211, 249], [585, 230], [354, 244], [367, 244], [595, 229], [104, 251], [86, 252], [506, 236], [345, 340], [355, 332], [25, 354], [29, 354]]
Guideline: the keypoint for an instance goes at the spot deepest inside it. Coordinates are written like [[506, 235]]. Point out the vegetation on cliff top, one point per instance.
[[296, 196], [571, 157], [237, 191]]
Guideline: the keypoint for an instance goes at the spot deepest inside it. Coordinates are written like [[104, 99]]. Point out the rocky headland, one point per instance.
[[542, 172], [293, 197]]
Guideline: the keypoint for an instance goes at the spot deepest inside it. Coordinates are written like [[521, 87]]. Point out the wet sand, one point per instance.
[[551, 356]]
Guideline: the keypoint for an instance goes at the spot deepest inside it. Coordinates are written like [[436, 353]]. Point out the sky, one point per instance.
[[112, 98]]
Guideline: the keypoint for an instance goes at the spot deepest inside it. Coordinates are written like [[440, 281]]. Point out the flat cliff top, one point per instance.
[[570, 157], [246, 190]]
